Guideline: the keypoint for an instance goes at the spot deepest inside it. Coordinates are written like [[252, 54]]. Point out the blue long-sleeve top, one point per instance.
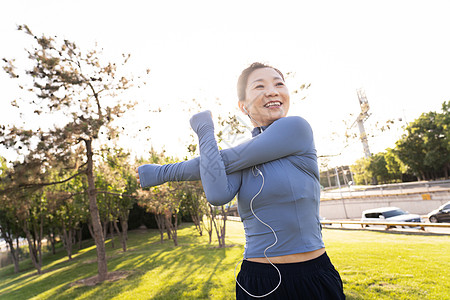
[[289, 201]]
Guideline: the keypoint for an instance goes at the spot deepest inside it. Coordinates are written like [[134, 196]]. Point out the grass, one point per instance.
[[373, 265]]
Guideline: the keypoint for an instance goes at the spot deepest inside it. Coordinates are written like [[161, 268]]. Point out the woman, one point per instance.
[[276, 178]]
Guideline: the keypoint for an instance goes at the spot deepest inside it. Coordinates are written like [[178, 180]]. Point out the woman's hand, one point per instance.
[[201, 119], [148, 175], [137, 176]]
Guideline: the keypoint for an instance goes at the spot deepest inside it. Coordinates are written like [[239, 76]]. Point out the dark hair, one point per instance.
[[243, 78]]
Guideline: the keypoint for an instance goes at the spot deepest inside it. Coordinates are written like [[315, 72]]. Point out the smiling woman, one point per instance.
[[263, 95], [276, 178]]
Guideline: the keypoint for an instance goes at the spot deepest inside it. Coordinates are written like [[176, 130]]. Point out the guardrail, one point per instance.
[[388, 224]]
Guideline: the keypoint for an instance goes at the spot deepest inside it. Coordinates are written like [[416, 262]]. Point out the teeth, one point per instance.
[[277, 103]]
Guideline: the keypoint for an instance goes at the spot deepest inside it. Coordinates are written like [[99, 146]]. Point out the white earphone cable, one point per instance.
[[265, 250]]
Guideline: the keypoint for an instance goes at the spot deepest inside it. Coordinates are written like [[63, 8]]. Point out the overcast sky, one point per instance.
[[397, 51]]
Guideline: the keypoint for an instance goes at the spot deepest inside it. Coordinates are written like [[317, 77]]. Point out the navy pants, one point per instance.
[[313, 279]]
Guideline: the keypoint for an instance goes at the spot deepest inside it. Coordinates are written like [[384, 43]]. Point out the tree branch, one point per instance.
[[40, 185]]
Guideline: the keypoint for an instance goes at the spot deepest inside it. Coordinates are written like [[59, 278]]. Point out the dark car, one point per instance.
[[442, 214]]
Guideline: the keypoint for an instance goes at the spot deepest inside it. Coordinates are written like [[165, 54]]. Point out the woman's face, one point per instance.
[[266, 97]]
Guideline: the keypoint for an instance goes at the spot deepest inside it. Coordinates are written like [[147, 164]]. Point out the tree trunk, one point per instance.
[[32, 248], [217, 233], [168, 226], [39, 240], [8, 237], [213, 218], [52, 238], [80, 237], [95, 217], [15, 258], [171, 228], [160, 222], [67, 236], [111, 233], [123, 234], [197, 221], [223, 231], [91, 230], [210, 216], [105, 229], [195, 213], [175, 230]]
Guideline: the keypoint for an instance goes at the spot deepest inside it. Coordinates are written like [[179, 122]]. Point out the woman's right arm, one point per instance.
[[287, 136], [153, 174]]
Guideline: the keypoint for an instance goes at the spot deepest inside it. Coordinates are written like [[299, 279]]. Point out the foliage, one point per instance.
[[360, 171], [163, 201], [193, 201], [117, 184], [425, 147], [423, 151], [9, 226], [65, 81]]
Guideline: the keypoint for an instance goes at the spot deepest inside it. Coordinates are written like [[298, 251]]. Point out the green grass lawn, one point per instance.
[[373, 265]]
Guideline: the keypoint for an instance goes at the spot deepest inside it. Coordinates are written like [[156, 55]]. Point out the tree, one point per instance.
[[66, 81], [424, 149], [9, 229], [194, 202], [28, 210], [361, 171], [70, 208], [115, 176], [377, 168], [394, 165]]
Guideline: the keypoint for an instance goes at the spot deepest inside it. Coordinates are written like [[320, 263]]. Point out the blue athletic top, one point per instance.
[[289, 201]]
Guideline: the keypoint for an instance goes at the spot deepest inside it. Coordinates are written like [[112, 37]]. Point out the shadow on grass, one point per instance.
[[147, 260]]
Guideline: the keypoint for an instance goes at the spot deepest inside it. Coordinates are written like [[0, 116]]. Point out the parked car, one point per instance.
[[442, 214], [389, 214]]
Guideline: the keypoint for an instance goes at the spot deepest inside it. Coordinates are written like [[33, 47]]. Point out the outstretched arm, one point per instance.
[[286, 136], [153, 174]]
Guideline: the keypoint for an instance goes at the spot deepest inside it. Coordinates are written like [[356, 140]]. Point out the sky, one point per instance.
[[396, 51]]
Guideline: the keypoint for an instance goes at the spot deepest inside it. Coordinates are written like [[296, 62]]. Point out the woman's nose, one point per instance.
[[271, 91]]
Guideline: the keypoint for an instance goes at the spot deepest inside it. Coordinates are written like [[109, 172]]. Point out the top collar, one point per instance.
[[258, 130]]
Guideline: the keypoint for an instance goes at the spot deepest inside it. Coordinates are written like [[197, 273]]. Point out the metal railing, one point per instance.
[[388, 225]]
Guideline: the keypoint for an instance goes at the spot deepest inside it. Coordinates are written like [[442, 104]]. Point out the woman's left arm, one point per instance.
[[284, 137], [219, 187]]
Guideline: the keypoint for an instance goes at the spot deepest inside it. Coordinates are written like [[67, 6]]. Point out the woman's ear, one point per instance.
[[242, 107]]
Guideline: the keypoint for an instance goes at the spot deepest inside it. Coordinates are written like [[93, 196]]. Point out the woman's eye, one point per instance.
[[279, 84], [259, 86]]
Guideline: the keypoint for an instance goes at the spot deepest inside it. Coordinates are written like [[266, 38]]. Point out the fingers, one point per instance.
[[137, 176]]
